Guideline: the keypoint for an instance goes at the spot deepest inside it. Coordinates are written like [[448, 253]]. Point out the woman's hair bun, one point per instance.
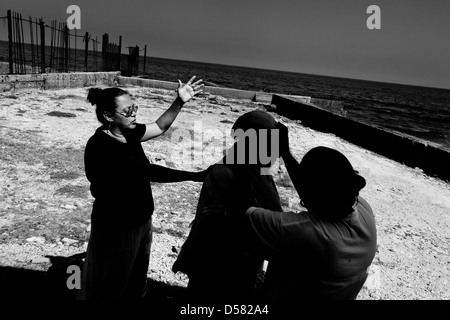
[[94, 95]]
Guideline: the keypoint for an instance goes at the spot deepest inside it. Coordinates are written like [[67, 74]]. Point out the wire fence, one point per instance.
[[35, 47]]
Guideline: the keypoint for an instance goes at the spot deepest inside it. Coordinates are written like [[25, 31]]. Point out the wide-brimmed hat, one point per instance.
[[327, 168]]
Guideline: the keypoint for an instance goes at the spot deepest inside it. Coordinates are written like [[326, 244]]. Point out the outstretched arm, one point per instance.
[[163, 174], [185, 93], [292, 166]]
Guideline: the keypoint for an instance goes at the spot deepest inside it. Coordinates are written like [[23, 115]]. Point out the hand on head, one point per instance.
[[189, 90]]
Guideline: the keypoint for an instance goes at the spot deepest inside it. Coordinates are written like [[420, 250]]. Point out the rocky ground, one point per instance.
[[45, 203]]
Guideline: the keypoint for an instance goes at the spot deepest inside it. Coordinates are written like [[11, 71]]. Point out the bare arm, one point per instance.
[[166, 175], [185, 93], [292, 166]]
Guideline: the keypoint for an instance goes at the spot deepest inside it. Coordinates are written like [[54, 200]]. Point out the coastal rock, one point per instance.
[[40, 260], [218, 100], [68, 241], [68, 206], [77, 204], [39, 240], [157, 158]]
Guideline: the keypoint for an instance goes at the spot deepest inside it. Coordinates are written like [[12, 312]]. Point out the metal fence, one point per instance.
[[35, 47]]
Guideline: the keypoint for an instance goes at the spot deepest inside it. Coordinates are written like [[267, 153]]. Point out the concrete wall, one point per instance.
[[399, 147], [57, 80], [261, 97], [225, 92]]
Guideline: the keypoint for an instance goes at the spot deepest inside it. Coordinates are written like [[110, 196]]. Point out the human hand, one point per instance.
[[189, 90], [283, 139]]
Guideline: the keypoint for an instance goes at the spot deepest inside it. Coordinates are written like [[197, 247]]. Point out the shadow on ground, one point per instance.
[[50, 285]]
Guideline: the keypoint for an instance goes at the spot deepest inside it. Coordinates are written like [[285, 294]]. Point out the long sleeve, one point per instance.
[[266, 228], [292, 167]]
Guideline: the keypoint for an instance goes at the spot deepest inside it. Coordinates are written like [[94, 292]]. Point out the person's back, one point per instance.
[[214, 255], [311, 258]]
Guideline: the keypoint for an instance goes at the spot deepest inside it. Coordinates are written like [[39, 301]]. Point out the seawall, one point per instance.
[[224, 92], [402, 148], [44, 81]]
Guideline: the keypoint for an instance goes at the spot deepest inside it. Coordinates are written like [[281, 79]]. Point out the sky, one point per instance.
[[307, 36]]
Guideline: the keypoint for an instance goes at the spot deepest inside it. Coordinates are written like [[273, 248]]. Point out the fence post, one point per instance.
[[105, 42], [145, 56], [41, 23], [120, 53], [137, 60], [10, 42], [32, 45], [66, 48], [24, 61], [86, 50]]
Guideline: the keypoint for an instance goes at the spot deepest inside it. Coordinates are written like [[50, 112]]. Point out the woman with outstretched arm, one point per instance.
[[119, 172]]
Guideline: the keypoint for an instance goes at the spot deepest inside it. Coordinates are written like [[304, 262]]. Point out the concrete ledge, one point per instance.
[[56, 80], [261, 97], [225, 92], [231, 93], [80, 79], [133, 81], [396, 146]]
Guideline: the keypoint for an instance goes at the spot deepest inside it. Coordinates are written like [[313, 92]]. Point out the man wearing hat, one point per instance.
[[323, 252]]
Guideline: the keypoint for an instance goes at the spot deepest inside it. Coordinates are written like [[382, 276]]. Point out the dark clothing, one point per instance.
[[119, 174], [116, 263], [214, 255], [119, 245], [310, 258]]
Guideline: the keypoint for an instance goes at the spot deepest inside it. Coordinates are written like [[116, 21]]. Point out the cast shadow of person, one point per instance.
[[51, 285]]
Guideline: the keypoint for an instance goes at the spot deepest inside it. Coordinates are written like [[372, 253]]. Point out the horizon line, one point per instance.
[[268, 69]]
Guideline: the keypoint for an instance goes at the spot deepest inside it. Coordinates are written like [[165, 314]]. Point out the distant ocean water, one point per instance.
[[418, 111]]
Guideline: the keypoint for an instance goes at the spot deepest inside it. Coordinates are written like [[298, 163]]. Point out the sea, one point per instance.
[[422, 112]]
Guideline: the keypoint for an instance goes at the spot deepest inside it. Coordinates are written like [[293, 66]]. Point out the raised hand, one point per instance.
[[189, 90], [284, 139]]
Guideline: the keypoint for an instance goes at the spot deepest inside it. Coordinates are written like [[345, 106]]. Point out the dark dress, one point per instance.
[[118, 251], [215, 255]]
